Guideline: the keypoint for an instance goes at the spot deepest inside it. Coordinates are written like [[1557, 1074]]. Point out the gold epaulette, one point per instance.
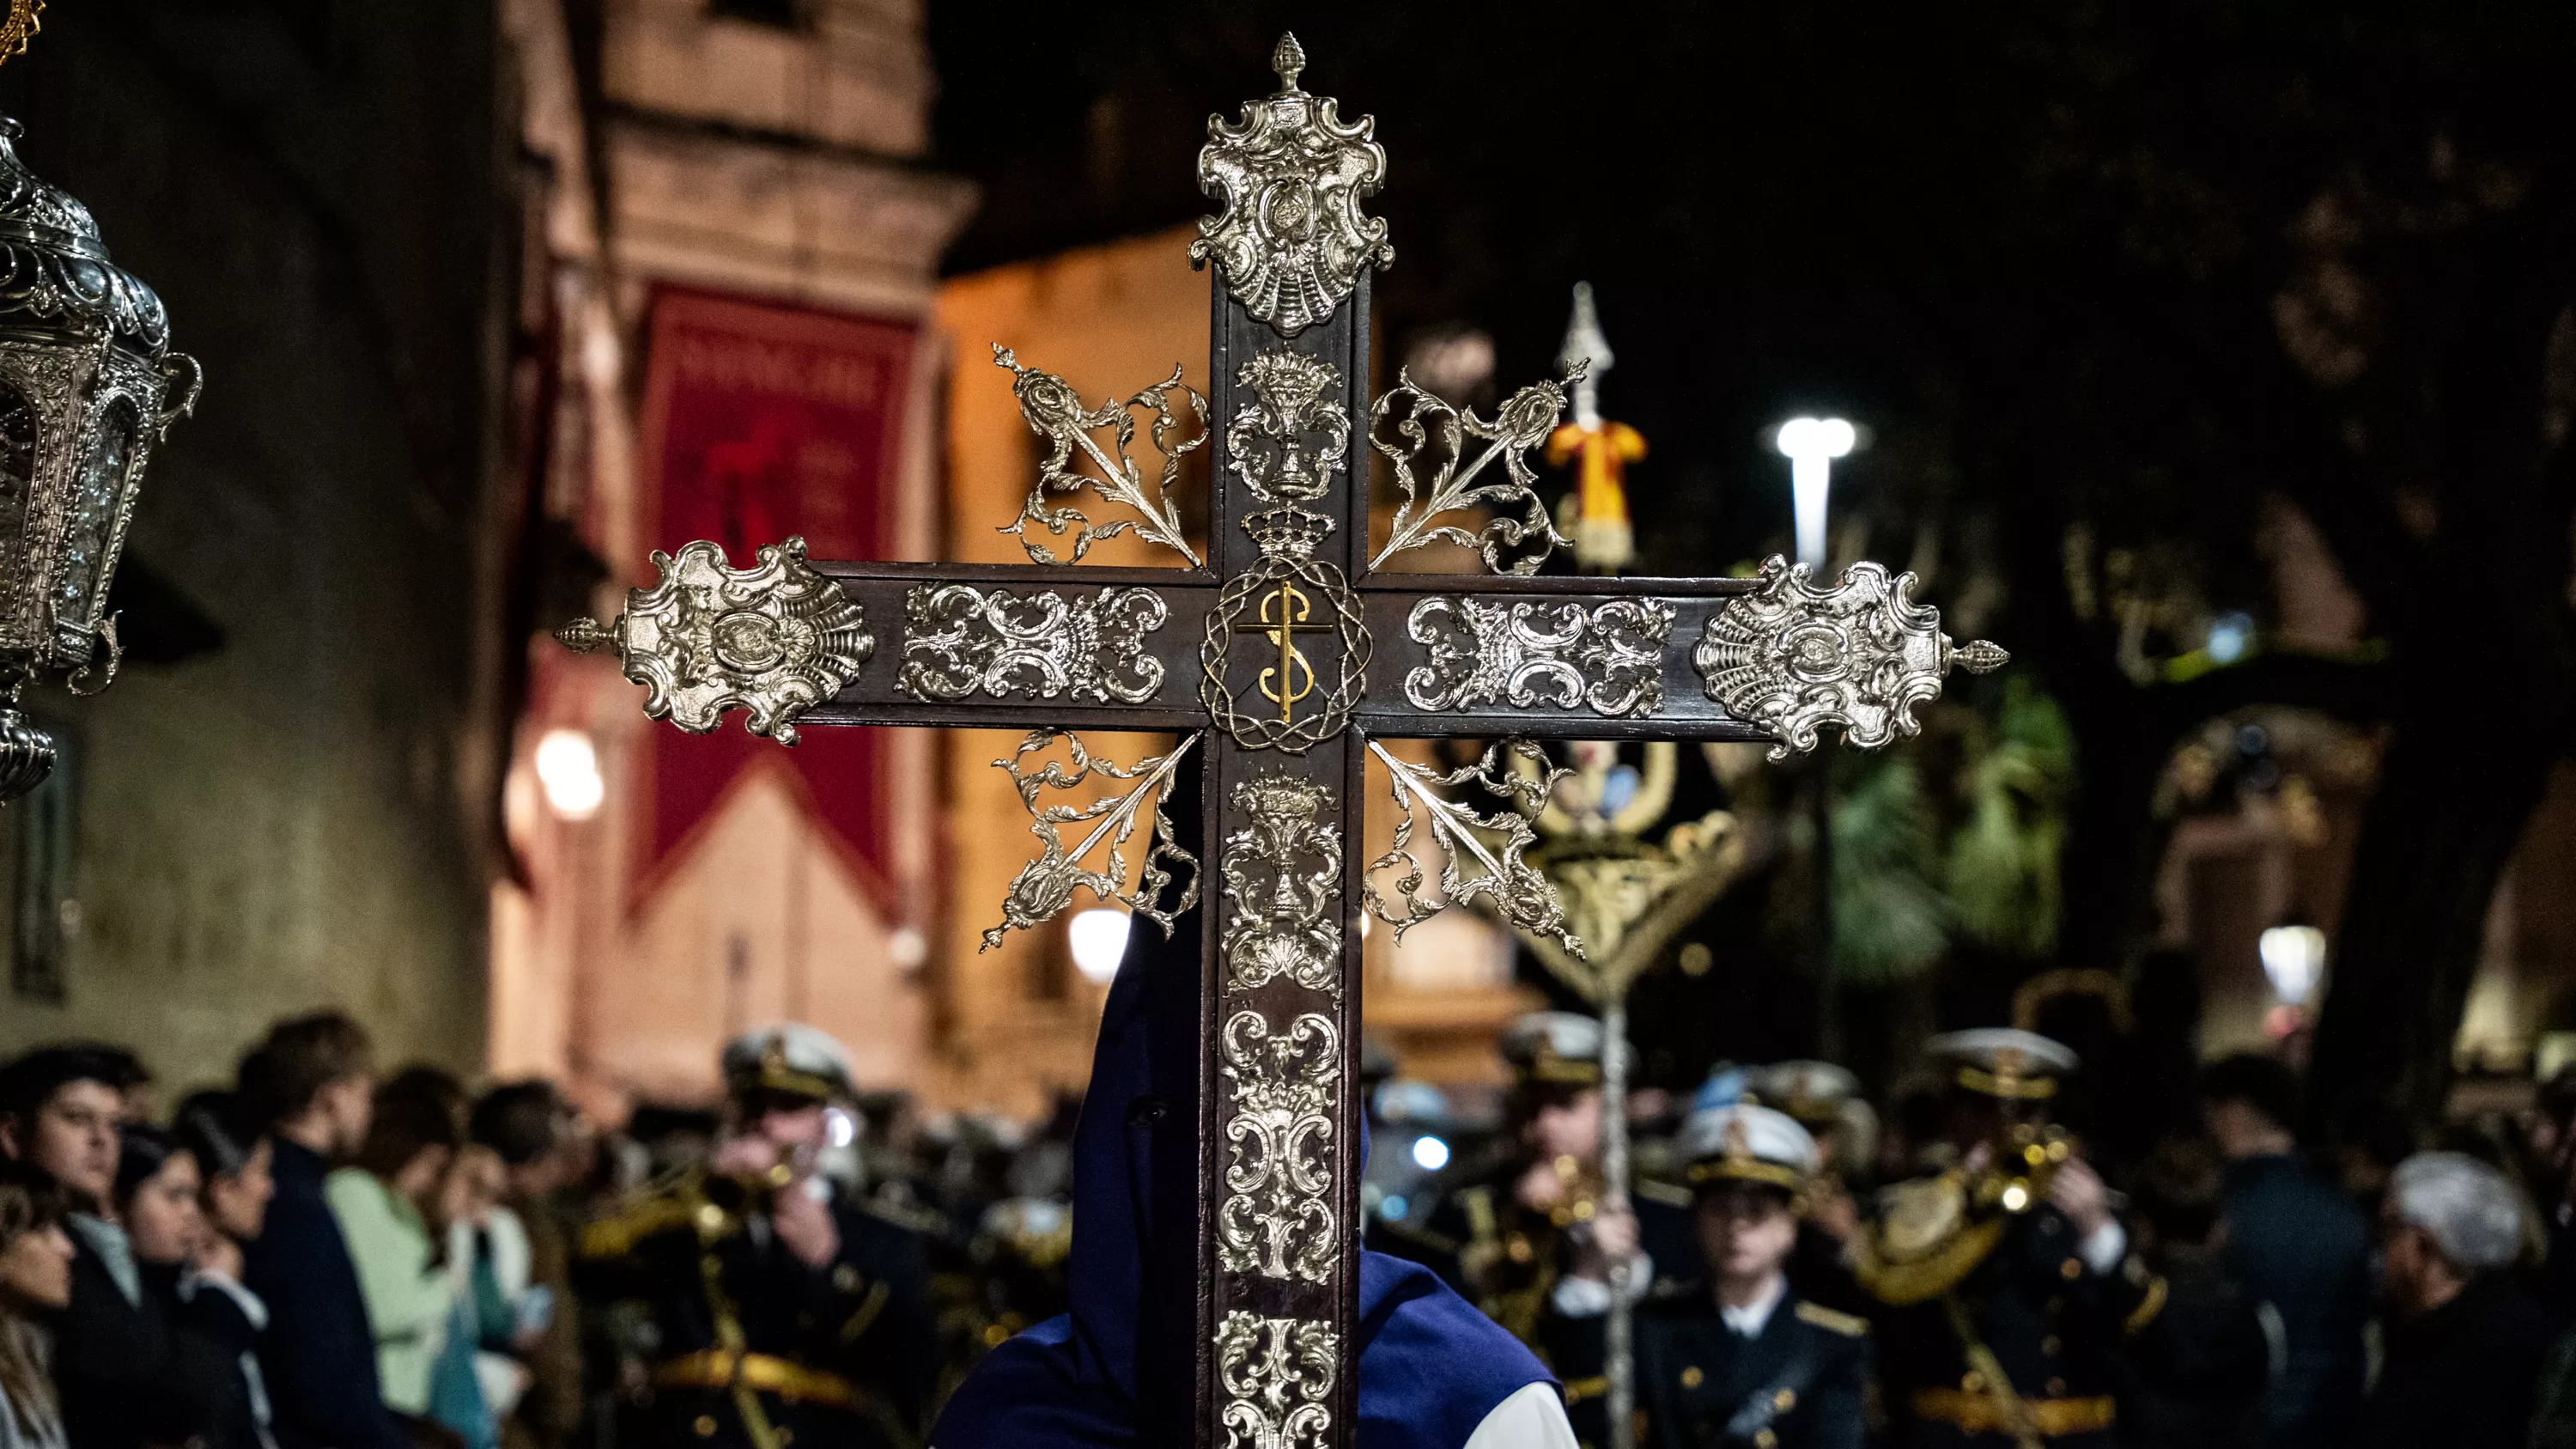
[[1846, 1324], [669, 1202], [1923, 1279], [1662, 1192]]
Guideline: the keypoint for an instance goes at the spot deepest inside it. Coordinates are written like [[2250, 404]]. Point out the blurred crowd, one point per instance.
[[328, 1252]]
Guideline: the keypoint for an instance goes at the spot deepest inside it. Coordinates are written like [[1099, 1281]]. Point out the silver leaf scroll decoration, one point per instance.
[[1564, 656], [1512, 886], [1277, 1374], [958, 639], [1054, 411], [1277, 1219], [1430, 433], [1793, 657], [1045, 886]]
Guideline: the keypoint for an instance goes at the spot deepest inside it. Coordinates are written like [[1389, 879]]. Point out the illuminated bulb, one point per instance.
[[907, 947], [568, 768], [1430, 1153], [2016, 1197], [2294, 957], [1098, 937], [839, 1127], [1811, 445]]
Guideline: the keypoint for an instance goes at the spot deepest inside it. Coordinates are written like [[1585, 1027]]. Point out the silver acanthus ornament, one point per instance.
[[88, 385]]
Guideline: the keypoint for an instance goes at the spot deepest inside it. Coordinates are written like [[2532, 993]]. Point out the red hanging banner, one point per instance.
[[763, 420]]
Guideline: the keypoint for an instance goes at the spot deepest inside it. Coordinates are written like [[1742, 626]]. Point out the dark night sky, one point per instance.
[[1730, 192]]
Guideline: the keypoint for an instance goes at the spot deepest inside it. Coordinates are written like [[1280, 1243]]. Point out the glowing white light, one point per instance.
[[1430, 1153], [2228, 636], [839, 1127], [1811, 445], [2294, 957], [907, 947], [1099, 938], [2016, 1197], [568, 768]]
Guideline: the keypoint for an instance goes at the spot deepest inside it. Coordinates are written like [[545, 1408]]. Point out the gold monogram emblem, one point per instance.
[[1284, 615]]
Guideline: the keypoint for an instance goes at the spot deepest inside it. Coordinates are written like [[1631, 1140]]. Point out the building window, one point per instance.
[[45, 914]]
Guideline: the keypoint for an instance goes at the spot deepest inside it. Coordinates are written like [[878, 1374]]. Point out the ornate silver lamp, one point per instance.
[[88, 384]]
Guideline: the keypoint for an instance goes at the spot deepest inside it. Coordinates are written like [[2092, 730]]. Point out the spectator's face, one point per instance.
[[237, 1205], [36, 1269], [1571, 1128], [162, 1217], [349, 1105], [73, 1137], [475, 1186], [1746, 1230]]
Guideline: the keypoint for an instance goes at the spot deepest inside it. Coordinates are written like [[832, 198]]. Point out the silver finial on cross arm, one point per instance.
[[775, 639], [1793, 656]]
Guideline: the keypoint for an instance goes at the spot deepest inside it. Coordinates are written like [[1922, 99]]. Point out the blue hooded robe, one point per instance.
[[1116, 1372]]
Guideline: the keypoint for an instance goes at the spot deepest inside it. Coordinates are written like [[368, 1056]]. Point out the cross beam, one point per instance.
[[1285, 654]]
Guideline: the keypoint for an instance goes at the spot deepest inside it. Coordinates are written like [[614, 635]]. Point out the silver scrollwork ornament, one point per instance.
[[775, 639], [1277, 1374], [1534, 655], [958, 639], [1277, 1217], [1861, 654], [1291, 174]]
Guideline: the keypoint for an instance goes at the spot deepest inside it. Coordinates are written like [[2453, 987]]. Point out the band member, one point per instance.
[[2004, 1283], [765, 1311], [1825, 1099], [1532, 1239], [1741, 1358]]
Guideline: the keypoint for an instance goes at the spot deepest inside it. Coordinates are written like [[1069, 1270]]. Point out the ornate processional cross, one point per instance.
[[1308, 650]]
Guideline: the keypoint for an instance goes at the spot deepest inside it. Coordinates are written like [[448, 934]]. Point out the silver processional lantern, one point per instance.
[[88, 384]]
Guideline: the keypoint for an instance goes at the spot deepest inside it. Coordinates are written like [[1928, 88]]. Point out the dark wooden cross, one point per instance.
[[1285, 656]]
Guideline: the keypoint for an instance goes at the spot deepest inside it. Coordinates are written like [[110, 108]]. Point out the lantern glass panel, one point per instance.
[[17, 473], [96, 492]]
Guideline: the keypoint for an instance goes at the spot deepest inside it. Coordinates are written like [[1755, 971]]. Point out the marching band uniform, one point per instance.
[[748, 1344], [1781, 1373], [1997, 1321], [1512, 1258], [1825, 1099]]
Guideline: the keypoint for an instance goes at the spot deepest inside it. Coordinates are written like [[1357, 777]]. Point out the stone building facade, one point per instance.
[[283, 802]]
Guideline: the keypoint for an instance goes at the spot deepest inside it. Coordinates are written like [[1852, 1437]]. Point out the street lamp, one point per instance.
[[2293, 957], [88, 384], [1811, 445], [1098, 937]]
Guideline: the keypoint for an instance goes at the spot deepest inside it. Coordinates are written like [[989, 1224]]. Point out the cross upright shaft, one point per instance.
[[1287, 709]]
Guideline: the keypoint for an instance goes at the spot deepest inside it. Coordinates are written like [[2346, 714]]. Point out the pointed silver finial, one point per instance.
[[1288, 58], [1584, 343]]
